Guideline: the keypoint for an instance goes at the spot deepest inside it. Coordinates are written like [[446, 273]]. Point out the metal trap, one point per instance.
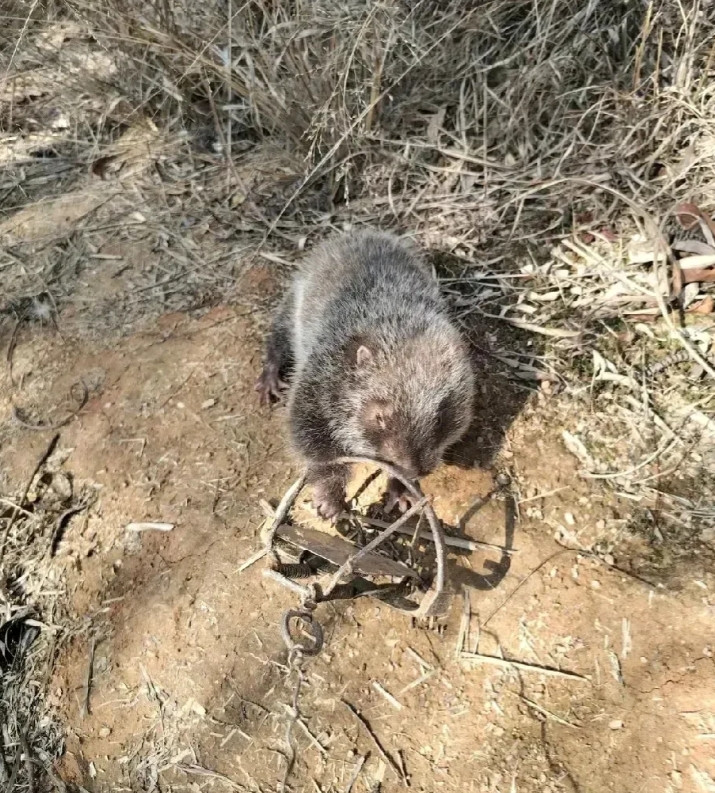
[[320, 566], [317, 553]]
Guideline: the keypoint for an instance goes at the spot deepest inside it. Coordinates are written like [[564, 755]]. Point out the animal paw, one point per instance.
[[398, 496], [269, 385], [328, 503]]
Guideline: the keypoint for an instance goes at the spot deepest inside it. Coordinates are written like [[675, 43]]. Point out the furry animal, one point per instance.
[[375, 364]]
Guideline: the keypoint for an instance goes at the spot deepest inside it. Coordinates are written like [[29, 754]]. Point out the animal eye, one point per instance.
[[441, 423]]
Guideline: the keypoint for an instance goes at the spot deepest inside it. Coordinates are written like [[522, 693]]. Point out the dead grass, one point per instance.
[[539, 151]]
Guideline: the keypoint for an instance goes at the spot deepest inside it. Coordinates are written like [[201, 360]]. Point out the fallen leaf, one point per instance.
[[697, 262], [698, 275], [692, 246], [705, 306], [608, 234], [688, 215]]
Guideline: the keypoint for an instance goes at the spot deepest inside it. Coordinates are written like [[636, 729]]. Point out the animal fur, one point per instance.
[[376, 366]]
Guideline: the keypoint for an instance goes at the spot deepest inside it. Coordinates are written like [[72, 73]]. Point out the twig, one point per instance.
[[464, 621], [15, 769], [138, 527], [420, 660], [13, 505], [381, 751], [356, 773], [11, 349], [383, 692], [511, 664], [229, 92], [545, 712], [4, 772], [197, 770], [319, 746], [11, 522], [28, 763], [252, 559], [88, 680]]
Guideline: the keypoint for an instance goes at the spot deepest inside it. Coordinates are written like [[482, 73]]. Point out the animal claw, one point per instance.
[[329, 509], [398, 496], [269, 385], [328, 501]]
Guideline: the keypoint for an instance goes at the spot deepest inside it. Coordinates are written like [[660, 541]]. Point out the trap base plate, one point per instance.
[[337, 551]]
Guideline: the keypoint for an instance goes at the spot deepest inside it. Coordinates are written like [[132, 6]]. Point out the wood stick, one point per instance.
[[35, 471], [383, 692], [508, 663], [381, 751], [283, 510], [356, 773]]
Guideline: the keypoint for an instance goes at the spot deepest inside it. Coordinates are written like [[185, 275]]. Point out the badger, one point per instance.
[[373, 363]]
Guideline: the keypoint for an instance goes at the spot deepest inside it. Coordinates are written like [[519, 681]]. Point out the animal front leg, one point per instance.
[[328, 483], [278, 360]]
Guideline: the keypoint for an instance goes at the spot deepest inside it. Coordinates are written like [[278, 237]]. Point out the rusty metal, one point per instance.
[[338, 551], [311, 629]]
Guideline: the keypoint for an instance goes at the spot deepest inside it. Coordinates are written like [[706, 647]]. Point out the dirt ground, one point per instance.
[[178, 157], [188, 686]]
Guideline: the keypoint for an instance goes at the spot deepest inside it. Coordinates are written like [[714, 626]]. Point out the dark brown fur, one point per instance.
[[377, 368]]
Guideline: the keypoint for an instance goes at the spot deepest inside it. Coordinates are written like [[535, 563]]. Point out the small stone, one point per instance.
[[105, 732], [208, 403], [616, 724], [569, 518]]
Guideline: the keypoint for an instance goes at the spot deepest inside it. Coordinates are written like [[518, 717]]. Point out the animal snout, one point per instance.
[[413, 467]]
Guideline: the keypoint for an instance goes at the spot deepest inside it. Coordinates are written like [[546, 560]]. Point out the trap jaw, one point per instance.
[[318, 552]]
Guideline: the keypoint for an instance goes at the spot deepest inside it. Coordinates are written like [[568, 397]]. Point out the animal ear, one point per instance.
[[358, 352], [363, 355]]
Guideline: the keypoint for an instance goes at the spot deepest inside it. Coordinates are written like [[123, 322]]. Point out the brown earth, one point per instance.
[[189, 688]]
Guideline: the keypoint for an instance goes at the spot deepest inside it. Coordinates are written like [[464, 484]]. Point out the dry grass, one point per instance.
[[537, 150]]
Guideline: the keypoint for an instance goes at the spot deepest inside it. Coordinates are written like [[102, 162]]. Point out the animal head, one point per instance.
[[408, 404]]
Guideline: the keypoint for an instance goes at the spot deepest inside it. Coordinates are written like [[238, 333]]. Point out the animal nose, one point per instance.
[[412, 467]]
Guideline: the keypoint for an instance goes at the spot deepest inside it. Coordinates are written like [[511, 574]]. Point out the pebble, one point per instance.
[[616, 724]]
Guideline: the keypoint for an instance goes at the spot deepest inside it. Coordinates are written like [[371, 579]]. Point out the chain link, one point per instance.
[[298, 651]]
